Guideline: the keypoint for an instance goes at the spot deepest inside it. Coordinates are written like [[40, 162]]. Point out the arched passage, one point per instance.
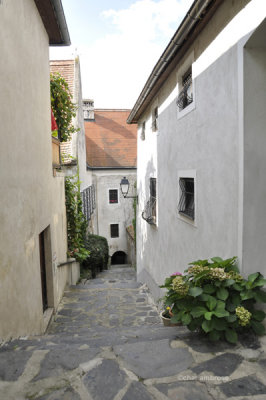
[[119, 257]]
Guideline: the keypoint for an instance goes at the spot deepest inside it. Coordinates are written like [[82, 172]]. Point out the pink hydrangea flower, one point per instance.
[[176, 274]]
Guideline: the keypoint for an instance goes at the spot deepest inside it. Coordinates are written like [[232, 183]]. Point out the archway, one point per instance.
[[119, 257]]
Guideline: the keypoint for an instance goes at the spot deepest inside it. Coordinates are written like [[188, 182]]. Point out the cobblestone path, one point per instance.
[[107, 343]]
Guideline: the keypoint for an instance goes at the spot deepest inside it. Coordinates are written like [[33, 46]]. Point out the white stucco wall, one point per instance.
[[31, 198], [254, 185], [205, 144], [85, 175], [120, 213]]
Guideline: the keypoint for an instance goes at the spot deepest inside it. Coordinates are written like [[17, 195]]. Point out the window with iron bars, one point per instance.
[[185, 96], [113, 196], [88, 201], [186, 205], [114, 230], [143, 129], [155, 120], [149, 212]]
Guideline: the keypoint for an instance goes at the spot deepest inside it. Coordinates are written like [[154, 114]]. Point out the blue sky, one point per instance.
[[118, 43]]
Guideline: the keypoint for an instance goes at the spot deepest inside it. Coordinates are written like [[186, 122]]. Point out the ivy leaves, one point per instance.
[[76, 223], [63, 108]]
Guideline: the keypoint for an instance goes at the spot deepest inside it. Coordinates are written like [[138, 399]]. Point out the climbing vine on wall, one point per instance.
[[63, 108], [76, 222]]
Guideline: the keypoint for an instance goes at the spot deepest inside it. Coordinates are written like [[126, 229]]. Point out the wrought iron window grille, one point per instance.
[[186, 205], [185, 97], [149, 212], [154, 124], [143, 129], [88, 201]]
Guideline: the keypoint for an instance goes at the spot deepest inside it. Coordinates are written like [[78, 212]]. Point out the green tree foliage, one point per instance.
[[76, 222], [63, 108]]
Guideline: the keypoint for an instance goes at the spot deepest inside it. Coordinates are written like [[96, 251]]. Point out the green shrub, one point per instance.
[[214, 298], [99, 254], [76, 222]]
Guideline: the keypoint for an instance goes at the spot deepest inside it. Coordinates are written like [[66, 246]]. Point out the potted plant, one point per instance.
[[213, 298]]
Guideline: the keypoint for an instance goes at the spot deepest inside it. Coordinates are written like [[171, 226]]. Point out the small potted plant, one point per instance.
[[166, 314]]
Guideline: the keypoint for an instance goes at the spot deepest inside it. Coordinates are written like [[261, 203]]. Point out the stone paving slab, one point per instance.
[[107, 343]]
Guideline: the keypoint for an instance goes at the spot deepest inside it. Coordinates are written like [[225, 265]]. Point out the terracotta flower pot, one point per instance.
[[167, 320]]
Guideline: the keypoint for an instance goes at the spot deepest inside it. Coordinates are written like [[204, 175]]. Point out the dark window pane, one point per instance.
[[113, 196], [114, 228], [186, 202]]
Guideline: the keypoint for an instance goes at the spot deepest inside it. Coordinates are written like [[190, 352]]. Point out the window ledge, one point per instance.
[[186, 110]]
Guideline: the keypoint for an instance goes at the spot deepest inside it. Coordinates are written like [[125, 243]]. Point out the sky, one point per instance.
[[118, 43]]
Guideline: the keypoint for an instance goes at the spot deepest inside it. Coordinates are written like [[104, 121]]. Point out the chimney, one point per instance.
[[88, 110]]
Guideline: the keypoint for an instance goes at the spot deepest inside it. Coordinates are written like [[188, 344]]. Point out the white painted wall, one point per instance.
[[31, 198], [120, 213], [204, 142]]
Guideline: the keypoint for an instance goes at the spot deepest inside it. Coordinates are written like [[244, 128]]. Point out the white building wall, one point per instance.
[[31, 200], [79, 140], [203, 143], [121, 213]]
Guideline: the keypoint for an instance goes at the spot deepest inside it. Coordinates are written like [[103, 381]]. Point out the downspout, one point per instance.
[[59, 12], [193, 15]]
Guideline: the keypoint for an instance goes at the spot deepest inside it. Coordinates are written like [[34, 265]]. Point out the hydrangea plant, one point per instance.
[[214, 298]]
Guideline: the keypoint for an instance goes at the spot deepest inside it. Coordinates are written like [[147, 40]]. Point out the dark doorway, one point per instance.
[[119, 257], [43, 271]]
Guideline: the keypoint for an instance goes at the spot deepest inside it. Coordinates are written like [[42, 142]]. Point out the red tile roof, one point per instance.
[[110, 141], [66, 68]]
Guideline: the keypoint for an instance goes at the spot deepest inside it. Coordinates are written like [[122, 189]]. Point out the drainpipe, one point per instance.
[[193, 15]]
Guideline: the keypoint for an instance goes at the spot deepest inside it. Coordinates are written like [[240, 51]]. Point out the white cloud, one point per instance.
[[115, 67]]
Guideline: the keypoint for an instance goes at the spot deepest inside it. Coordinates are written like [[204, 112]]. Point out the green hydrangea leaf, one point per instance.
[[258, 328], [195, 291], [214, 335], [186, 319], [211, 303], [207, 326], [198, 311], [258, 315], [231, 336], [219, 324], [260, 296], [208, 315], [231, 318], [253, 277], [222, 293], [209, 289]]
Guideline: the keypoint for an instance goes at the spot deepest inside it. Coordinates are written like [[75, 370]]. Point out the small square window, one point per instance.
[[114, 230], [186, 205], [113, 196], [143, 128], [155, 120]]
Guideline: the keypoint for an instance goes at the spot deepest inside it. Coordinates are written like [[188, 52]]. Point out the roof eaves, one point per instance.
[[53, 17], [196, 15]]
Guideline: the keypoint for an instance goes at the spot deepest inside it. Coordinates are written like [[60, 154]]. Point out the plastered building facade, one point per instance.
[[33, 240], [201, 138]]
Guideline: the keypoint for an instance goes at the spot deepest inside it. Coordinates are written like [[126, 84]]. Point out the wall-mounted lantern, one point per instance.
[[124, 186]]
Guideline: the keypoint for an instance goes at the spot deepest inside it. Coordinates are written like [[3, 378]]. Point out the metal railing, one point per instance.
[[88, 201], [149, 212]]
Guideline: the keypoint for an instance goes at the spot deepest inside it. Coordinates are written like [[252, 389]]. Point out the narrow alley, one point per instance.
[[107, 342]]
